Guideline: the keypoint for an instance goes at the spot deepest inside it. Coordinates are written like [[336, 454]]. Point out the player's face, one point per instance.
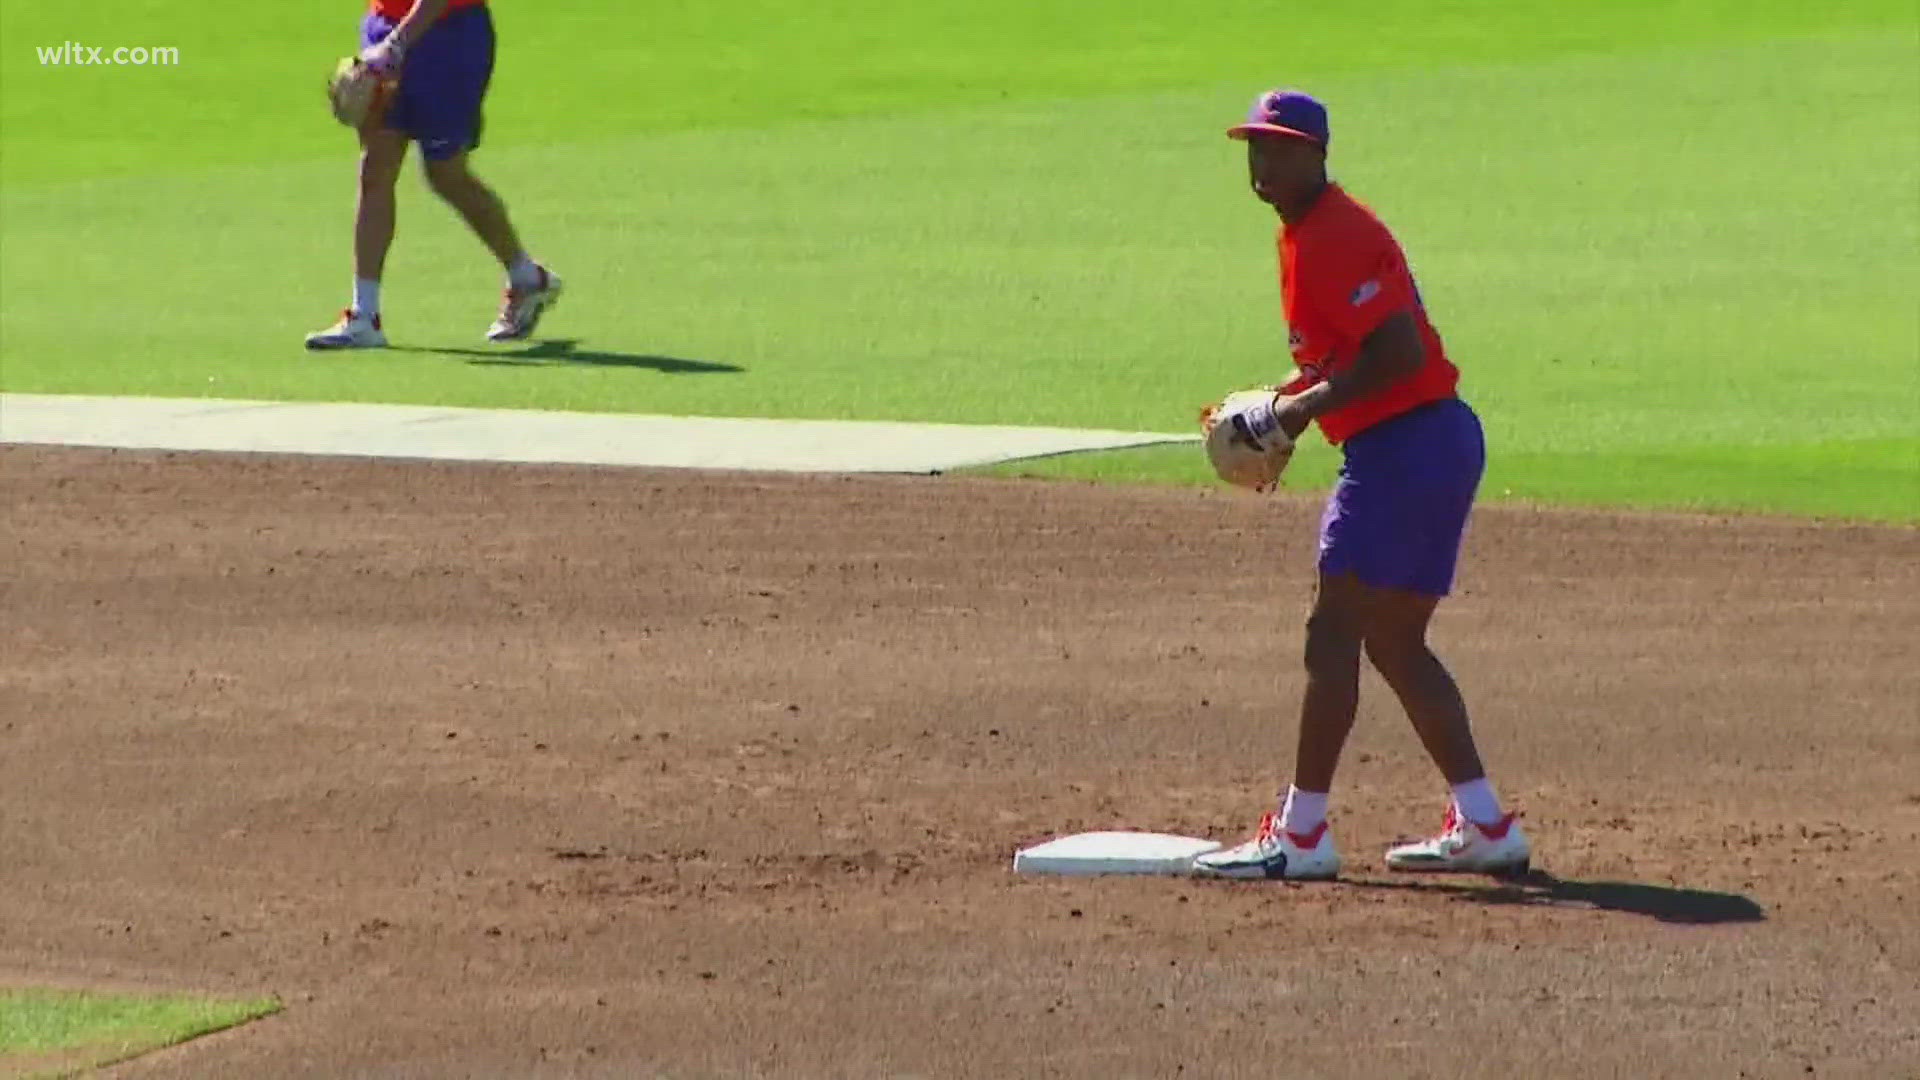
[[1281, 166]]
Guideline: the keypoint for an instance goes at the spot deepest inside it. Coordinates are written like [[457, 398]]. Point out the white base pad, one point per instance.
[[1095, 853]]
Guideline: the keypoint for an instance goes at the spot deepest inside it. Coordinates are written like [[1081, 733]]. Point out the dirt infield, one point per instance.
[[509, 771]]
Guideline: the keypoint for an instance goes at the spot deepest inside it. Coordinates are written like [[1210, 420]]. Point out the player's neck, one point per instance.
[[1293, 210]]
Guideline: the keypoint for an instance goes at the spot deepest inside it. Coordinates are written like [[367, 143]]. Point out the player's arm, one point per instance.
[[1390, 353], [391, 52]]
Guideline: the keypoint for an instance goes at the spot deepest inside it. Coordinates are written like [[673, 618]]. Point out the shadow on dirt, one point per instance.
[[1539, 888]]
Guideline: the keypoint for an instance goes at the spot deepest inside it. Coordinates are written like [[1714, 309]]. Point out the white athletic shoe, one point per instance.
[[1275, 853], [1464, 847], [353, 331], [520, 309]]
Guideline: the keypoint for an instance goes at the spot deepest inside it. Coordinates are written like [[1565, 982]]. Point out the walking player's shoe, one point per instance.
[[521, 309], [1464, 847], [353, 331], [1275, 853]]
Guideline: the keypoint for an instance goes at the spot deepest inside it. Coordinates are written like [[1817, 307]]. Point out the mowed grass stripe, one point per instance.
[[606, 69]]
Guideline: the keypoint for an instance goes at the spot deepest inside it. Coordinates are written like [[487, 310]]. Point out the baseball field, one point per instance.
[[455, 769]]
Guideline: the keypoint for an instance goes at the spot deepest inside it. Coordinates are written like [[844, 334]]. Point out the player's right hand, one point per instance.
[[384, 59]]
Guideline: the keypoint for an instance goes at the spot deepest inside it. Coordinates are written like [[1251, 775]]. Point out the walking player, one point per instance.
[[1376, 378], [442, 53]]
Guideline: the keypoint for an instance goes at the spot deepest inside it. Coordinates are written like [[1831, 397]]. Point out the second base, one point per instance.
[[1097, 853]]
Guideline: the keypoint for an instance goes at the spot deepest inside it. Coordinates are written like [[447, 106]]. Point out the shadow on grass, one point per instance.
[[560, 351], [1540, 889]]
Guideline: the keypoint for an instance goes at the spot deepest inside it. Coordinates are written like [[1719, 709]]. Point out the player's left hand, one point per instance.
[[356, 93], [1244, 441]]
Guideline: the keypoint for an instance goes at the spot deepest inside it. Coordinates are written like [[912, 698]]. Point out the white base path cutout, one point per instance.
[[1092, 854], [432, 432]]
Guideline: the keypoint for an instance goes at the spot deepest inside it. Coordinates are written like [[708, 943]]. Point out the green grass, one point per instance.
[[54, 1032], [246, 94], [1685, 234], [1867, 479]]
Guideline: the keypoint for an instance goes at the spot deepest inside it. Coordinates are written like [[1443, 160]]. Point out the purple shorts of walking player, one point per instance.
[[444, 82], [1374, 374]]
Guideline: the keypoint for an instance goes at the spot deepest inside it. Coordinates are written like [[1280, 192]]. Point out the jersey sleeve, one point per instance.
[[1360, 281]]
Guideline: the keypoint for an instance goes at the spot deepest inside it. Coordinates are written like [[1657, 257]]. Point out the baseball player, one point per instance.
[[1376, 378], [441, 52]]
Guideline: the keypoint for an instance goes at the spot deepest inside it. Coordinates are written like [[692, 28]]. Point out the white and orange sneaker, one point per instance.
[[353, 331], [1466, 847], [1275, 854], [520, 309]]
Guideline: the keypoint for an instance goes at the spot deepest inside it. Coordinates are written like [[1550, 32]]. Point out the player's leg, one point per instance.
[[1335, 637], [480, 206], [531, 288], [1477, 836], [1293, 842], [1430, 463], [454, 65], [383, 150], [1396, 645]]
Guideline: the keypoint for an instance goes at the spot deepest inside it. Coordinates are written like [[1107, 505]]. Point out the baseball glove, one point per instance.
[[1244, 440], [357, 93]]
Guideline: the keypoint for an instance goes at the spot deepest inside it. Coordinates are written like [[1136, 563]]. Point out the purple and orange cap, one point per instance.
[[1291, 113]]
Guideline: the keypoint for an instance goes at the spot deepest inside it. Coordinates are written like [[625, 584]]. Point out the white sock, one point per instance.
[[1476, 801], [366, 297], [1303, 811], [523, 272]]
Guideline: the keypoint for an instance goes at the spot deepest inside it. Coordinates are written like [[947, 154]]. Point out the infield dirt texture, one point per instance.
[[508, 771]]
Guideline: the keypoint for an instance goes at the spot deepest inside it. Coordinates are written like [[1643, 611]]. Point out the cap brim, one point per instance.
[[1247, 131]]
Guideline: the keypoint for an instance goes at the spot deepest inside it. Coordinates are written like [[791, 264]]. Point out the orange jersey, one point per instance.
[[397, 9], [1341, 274]]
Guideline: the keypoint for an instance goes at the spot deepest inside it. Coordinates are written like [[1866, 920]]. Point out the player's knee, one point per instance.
[[444, 181], [1394, 651], [1332, 642], [450, 178], [378, 172]]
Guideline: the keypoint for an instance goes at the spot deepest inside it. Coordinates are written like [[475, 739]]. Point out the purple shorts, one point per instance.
[[1399, 511], [443, 81]]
